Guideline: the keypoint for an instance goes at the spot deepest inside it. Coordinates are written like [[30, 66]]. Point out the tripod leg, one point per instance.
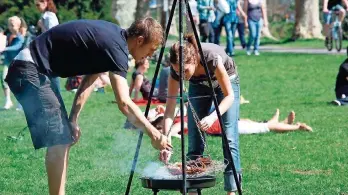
[[181, 76], [136, 155], [155, 191], [224, 137], [199, 191]]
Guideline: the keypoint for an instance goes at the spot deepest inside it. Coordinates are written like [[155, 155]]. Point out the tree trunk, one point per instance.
[[142, 9], [123, 11], [307, 23], [265, 30], [174, 26]]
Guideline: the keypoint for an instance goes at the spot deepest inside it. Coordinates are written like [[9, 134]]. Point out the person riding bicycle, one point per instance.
[[328, 7]]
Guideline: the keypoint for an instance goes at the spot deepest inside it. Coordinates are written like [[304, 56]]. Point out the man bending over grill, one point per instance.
[[80, 47]]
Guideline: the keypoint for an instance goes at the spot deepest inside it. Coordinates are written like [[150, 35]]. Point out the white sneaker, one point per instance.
[[19, 107], [248, 52], [336, 102], [257, 53], [8, 105]]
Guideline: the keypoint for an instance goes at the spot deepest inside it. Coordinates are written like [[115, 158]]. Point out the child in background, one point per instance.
[[14, 46]]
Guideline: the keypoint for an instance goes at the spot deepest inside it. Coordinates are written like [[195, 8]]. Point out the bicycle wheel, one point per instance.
[[338, 39], [328, 43]]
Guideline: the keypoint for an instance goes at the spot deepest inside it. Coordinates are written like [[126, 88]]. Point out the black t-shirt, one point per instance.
[[332, 3], [81, 47], [342, 80]]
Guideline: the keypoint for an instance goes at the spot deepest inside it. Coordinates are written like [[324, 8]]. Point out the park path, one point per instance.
[[282, 49]]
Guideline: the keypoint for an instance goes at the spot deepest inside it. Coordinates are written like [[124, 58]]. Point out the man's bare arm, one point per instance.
[[82, 94], [128, 107], [134, 114]]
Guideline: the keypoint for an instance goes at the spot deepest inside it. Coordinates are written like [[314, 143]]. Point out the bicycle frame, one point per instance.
[[335, 25]]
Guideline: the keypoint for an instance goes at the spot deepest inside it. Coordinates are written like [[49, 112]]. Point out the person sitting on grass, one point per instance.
[[341, 88], [139, 81]]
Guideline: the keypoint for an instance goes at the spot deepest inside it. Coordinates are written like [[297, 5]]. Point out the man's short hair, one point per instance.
[[147, 27]]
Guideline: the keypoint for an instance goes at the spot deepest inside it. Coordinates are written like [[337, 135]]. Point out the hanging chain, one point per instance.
[[197, 121], [194, 113]]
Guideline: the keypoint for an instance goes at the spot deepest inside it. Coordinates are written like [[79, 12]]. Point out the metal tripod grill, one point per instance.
[[183, 183]]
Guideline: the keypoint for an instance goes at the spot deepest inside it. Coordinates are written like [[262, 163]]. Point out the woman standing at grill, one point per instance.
[[225, 81]]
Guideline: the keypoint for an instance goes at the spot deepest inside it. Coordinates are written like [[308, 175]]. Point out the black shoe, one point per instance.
[[326, 41]]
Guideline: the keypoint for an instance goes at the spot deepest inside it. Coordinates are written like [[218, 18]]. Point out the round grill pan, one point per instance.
[[176, 184]]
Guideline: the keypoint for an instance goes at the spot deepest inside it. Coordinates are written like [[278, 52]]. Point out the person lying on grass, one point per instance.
[[245, 126], [79, 47]]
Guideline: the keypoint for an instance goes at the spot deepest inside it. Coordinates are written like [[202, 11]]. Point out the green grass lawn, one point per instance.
[[290, 163]]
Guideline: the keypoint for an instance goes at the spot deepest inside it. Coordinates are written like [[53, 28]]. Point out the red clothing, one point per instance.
[[178, 120], [215, 129]]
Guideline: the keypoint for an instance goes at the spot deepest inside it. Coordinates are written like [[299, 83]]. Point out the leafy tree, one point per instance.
[[67, 10]]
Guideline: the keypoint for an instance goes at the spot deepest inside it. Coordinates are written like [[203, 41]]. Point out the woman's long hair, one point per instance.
[[191, 54], [50, 6]]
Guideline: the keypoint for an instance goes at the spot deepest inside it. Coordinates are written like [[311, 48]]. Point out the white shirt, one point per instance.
[[49, 20], [193, 7]]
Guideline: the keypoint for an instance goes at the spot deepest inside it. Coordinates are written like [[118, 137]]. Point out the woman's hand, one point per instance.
[[208, 121], [164, 156]]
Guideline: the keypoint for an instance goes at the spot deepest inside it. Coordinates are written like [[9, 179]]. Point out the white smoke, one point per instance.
[[156, 170]]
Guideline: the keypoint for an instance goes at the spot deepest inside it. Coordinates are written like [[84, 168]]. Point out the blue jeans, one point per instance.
[[241, 28], [230, 32], [254, 34], [230, 119], [328, 16], [56, 82], [206, 31]]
